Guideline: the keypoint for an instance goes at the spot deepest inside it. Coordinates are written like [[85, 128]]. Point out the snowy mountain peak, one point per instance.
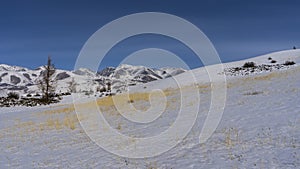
[[84, 71], [4, 67]]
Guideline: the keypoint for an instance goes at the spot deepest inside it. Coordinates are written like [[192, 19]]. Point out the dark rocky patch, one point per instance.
[[14, 79], [4, 74], [44, 72], [5, 85], [62, 76], [143, 79], [17, 88], [29, 84], [107, 71], [27, 76], [21, 70], [147, 79]]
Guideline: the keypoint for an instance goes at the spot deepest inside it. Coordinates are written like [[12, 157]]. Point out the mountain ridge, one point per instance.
[[23, 80]]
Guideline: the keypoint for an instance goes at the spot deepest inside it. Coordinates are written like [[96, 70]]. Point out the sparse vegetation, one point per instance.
[[254, 93], [70, 121], [231, 137], [101, 89], [251, 68], [249, 64], [26, 101], [13, 95], [47, 83], [288, 63], [108, 86], [130, 101]]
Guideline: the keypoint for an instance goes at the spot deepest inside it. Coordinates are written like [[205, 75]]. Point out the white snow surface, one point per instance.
[[259, 127]]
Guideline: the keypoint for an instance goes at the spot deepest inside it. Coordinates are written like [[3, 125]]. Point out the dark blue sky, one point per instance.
[[32, 30]]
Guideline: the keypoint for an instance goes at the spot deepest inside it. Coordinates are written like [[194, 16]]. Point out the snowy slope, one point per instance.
[[201, 74], [259, 127]]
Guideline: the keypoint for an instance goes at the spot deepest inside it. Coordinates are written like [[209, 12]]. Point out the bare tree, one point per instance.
[[108, 86], [47, 83]]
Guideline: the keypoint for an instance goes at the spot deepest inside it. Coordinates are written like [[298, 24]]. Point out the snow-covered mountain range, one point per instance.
[[23, 80]]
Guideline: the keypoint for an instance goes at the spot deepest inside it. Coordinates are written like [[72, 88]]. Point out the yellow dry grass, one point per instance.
[[54, 123], [262, 77], [70, 121], [203, 86], [231, 137], [109, 101], [131, 97], [68, 109], [24, 124]]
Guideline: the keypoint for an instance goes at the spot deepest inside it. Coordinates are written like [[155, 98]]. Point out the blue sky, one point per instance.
[[32, 30]]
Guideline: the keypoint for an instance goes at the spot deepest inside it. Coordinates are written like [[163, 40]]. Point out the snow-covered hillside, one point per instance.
[[23, 80], [259, 127]]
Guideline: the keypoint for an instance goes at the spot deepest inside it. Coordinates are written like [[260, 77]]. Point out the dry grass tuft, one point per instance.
[[68, 109], [53, 123], [253, 93], [231, 137], [119, 127], [24, 124], [70, 121]]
